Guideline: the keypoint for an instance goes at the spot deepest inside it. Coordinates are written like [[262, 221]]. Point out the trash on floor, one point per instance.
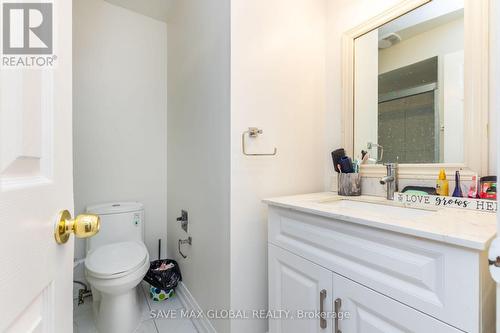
[[159, 295]]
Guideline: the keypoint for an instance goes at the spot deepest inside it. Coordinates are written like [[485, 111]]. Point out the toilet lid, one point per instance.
[[116, 258]]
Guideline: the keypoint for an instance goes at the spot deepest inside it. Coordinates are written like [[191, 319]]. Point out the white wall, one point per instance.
[[495, 94], [277, 84], [199, 146], [120, 112], [452, 105]]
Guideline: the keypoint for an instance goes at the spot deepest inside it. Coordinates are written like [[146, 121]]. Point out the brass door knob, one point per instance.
[[83, 226]]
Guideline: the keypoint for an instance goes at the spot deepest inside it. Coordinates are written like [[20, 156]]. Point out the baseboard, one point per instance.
[[203, 325]]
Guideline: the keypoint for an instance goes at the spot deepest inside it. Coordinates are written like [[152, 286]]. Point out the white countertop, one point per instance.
[[459, 227]]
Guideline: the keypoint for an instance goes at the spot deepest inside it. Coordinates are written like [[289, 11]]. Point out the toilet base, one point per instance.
[[117, 313]]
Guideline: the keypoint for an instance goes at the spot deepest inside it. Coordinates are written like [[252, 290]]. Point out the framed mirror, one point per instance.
[[415, 89]]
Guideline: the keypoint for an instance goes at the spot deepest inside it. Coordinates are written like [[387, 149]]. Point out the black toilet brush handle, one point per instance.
[[159, 248]]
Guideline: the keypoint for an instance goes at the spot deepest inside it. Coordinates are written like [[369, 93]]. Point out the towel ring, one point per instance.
[[254, 132]]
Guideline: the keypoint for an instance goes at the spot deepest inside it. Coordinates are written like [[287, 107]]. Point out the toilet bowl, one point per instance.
[[116, 262], [113, 272]]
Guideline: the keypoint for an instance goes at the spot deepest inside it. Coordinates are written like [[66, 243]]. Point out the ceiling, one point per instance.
[[157, 9], [424, 18]]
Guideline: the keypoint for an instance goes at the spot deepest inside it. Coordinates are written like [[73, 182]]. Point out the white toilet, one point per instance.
[[116, 262]]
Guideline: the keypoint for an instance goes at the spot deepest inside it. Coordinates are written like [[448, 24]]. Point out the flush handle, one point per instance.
[[183, 219], [83, 226]]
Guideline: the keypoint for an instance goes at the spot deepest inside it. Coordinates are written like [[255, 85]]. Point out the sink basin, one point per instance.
[[383, 210]]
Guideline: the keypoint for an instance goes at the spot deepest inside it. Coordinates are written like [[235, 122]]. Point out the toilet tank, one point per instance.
[[120, 222]]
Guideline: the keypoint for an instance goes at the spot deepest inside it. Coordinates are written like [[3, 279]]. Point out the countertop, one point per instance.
[[464, 228]]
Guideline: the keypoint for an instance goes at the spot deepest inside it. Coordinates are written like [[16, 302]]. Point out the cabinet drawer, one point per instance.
[[366, 311], [416, 272]]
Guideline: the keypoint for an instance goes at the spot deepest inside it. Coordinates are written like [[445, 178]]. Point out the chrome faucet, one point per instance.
[[391, 180]]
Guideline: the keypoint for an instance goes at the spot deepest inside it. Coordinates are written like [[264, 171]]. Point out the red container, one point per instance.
[[488, 188]]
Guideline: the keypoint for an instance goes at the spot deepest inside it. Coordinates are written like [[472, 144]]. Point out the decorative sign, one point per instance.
[[447, 202]]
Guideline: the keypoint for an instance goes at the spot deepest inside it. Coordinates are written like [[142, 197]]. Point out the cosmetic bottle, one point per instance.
[[457, 193], [473, 188], [442, 185]]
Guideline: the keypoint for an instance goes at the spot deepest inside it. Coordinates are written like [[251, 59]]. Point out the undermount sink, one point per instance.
[[386, 210]]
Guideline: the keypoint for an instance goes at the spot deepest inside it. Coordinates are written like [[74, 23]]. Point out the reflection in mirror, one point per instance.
[[409, 87]]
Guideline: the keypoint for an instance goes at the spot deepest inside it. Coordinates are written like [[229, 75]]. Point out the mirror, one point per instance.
[[409, 87]]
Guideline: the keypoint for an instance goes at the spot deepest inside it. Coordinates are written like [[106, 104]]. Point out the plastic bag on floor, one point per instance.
[[163, 274]]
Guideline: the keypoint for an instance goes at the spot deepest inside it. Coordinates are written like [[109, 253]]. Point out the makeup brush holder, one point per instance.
[[349, 184]]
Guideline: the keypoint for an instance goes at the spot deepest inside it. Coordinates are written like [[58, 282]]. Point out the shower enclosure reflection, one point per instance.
[[409, 87]]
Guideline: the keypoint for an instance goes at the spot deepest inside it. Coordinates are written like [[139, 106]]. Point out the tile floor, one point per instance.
[[83, 321]]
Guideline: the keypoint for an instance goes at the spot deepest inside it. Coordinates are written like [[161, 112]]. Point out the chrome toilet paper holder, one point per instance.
[[189, 241]]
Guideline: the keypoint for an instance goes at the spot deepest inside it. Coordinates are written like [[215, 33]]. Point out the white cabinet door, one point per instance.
[[366, 311], [298, 286], [36, 175]]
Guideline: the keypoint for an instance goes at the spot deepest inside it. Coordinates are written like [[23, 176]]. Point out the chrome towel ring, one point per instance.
[[254, 132]]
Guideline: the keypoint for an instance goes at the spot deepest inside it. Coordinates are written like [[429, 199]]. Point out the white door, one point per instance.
[[36, 183], [300, 287], [363, 310]]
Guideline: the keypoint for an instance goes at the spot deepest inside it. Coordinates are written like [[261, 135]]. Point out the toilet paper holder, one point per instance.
[[189, 241]]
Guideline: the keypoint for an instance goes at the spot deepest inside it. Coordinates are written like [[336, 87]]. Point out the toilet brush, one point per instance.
[[159, 248]]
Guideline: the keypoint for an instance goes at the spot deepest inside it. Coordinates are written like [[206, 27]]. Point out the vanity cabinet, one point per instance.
[[386, 281], [296, 284]]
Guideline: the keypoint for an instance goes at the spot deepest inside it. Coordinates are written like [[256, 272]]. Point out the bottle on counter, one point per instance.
[[473, 190], [442, 185], [457, 193]]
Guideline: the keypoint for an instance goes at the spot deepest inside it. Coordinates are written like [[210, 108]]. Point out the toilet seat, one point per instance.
[[116, 260]]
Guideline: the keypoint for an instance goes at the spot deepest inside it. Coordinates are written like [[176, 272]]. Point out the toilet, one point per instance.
[[116, 262]]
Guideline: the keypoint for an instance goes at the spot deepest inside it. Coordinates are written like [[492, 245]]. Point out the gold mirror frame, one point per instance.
[[476, 94]]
